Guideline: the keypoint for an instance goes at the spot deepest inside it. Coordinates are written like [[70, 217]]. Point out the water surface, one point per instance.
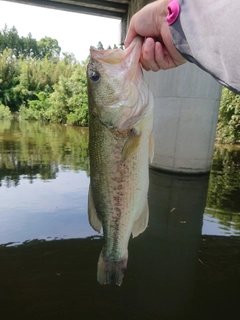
[[186, 265]]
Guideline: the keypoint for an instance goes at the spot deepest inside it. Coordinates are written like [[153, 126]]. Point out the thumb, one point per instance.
[[131, 34]]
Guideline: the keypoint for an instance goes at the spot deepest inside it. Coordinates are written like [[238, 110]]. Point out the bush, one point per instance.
[[228, 129], [68, 103], [5, 112]]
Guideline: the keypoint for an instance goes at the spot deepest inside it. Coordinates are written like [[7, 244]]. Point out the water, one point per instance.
[[223, 201], [186, 265]]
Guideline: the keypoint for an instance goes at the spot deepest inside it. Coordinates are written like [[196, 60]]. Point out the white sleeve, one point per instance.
[[207, 33]]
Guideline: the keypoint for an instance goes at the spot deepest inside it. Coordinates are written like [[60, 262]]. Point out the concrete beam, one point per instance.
[[110, 9]]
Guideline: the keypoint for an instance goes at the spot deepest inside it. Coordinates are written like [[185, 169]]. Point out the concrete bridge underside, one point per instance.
[[106, 8]]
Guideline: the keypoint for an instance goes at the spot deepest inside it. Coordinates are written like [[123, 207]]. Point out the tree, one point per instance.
[[48, 47], [9, 73], [9, 39], [69, 58], [28, 46], [100, 46]]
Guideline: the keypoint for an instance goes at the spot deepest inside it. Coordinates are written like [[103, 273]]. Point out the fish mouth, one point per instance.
[[128, 58], [130, 98]]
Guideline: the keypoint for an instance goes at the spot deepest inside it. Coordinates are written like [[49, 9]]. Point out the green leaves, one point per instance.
[[5, 112], [40, 85], [66, 103], [28, 46], [48, 47], [228, 130]]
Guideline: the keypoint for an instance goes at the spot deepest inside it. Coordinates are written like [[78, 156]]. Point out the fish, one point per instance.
[[120, 148]]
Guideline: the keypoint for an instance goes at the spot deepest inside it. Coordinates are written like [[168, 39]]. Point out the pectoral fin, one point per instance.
[[141, 223], [151, 147], [131, 145], [94, 221]]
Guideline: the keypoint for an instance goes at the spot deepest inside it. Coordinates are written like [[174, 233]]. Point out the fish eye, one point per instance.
[[94, 76]]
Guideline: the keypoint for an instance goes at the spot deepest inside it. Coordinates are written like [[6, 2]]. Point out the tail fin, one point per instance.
[[111, 271]]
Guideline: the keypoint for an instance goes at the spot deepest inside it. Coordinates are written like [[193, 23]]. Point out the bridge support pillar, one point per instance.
[[186, 112]]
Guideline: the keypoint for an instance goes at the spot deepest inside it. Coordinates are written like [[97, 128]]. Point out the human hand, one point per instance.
[[158, 51]]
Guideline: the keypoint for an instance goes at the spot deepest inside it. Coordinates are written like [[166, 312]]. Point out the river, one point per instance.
[[185, 265]]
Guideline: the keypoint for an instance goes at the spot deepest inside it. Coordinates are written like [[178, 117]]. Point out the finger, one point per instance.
[[163, 57], [131, 34], [148, 55], [159, 55], [142, 60], [144, 65]]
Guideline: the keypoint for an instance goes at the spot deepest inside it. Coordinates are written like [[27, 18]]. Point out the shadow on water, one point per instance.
[[175, 271]]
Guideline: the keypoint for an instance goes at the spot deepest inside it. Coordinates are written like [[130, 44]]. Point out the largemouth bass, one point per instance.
[[120, 145]]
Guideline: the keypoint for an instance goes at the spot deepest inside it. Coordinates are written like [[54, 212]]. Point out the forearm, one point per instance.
[[207, 34]]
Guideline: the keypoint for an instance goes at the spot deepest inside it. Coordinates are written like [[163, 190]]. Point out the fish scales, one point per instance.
[[111, 178], [119, 155]]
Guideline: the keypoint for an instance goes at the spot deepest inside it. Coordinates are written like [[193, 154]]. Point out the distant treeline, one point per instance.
[[37, 83], [28, 47]]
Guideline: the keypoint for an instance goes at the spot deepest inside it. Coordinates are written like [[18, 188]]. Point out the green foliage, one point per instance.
[[9, 73], [28, 46], [66, 104], [100, 46], [40, 85], [48, 47], [22, 79], [5, 112], [228, 130], [223, 201], [70, 99]]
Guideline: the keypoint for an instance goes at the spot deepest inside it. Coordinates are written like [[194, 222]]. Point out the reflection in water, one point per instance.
[[166, 278], [29, 149], [171, 243], [223, 201], [173, 272], [43, 181], [36, 153], [45, 209]]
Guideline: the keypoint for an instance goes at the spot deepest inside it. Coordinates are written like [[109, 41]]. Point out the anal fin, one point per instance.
[[141, 223], [94, 221]]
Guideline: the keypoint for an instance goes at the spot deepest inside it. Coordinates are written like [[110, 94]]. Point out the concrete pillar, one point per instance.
[[186, 114]]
